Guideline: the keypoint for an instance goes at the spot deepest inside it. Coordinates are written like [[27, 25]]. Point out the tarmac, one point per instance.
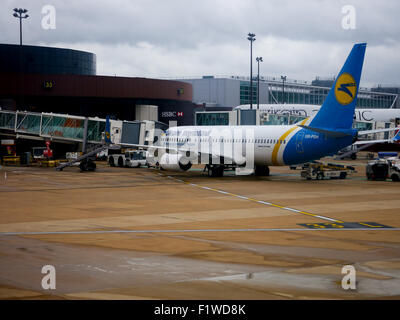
[[125, 233]]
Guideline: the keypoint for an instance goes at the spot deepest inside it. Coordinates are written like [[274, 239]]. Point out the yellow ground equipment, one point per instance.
[[50, 163], [13, 160], [318, 170]]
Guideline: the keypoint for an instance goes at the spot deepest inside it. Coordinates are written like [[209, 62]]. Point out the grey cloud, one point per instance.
[[186, 23], [184, 38]]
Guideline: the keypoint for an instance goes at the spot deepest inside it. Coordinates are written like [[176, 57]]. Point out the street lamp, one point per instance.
[[251, 38], [258, 59], [21, 14], [283, 88]]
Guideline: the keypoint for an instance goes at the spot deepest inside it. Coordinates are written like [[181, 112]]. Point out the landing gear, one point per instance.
[[87, 165], [261, 171], [215, 170]]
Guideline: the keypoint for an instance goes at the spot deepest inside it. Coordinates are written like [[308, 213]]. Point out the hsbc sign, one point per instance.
[[171, 114]]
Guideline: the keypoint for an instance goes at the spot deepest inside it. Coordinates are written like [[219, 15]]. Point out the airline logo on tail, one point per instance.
[[345, 89], [107, 136], [396, 137]]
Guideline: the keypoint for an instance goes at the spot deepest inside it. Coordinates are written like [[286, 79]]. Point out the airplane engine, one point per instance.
[[174, 162]]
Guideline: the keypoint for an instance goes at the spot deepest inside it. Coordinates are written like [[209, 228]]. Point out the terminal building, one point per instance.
[[218, 94], [55, 94], [44, 79]]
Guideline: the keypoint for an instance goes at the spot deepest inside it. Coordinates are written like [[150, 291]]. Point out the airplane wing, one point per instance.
[[361, 133], [363, 144], [395, 139], [147, 146], [233, 157]]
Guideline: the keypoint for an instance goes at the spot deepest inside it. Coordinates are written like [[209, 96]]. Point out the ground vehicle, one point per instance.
[[319, 171], [131, 158], [102, 155], [394, 170], [351, 155], [381, 169]]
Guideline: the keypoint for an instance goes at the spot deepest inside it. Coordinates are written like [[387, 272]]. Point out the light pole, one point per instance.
[[259, 59], [251, 38], [283, 88], [20, 14]]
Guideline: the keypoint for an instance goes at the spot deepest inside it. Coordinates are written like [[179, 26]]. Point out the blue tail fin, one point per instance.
[[337, 111], [107, 134], [396, 138]]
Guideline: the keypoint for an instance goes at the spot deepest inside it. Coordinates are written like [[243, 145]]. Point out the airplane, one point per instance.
[[258, 147], [306, 110], [364, 144]]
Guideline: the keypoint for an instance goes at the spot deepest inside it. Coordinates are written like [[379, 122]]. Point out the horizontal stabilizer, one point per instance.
[[329, 133]]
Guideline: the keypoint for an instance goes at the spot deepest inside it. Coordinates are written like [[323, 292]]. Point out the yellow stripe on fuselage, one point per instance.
[[274, 157]]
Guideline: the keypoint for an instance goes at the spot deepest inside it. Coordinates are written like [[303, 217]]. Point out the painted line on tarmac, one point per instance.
[[192, 230], [254, 200]]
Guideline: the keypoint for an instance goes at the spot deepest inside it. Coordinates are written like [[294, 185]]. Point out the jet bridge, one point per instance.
[[51, 126], [69, 128], [66, 128]]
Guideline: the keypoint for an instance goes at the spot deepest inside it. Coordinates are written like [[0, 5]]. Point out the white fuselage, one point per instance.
[[306, 110], [264, 145]]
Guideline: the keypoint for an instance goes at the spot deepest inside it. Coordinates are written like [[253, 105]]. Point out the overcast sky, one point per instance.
[[185, 38]]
